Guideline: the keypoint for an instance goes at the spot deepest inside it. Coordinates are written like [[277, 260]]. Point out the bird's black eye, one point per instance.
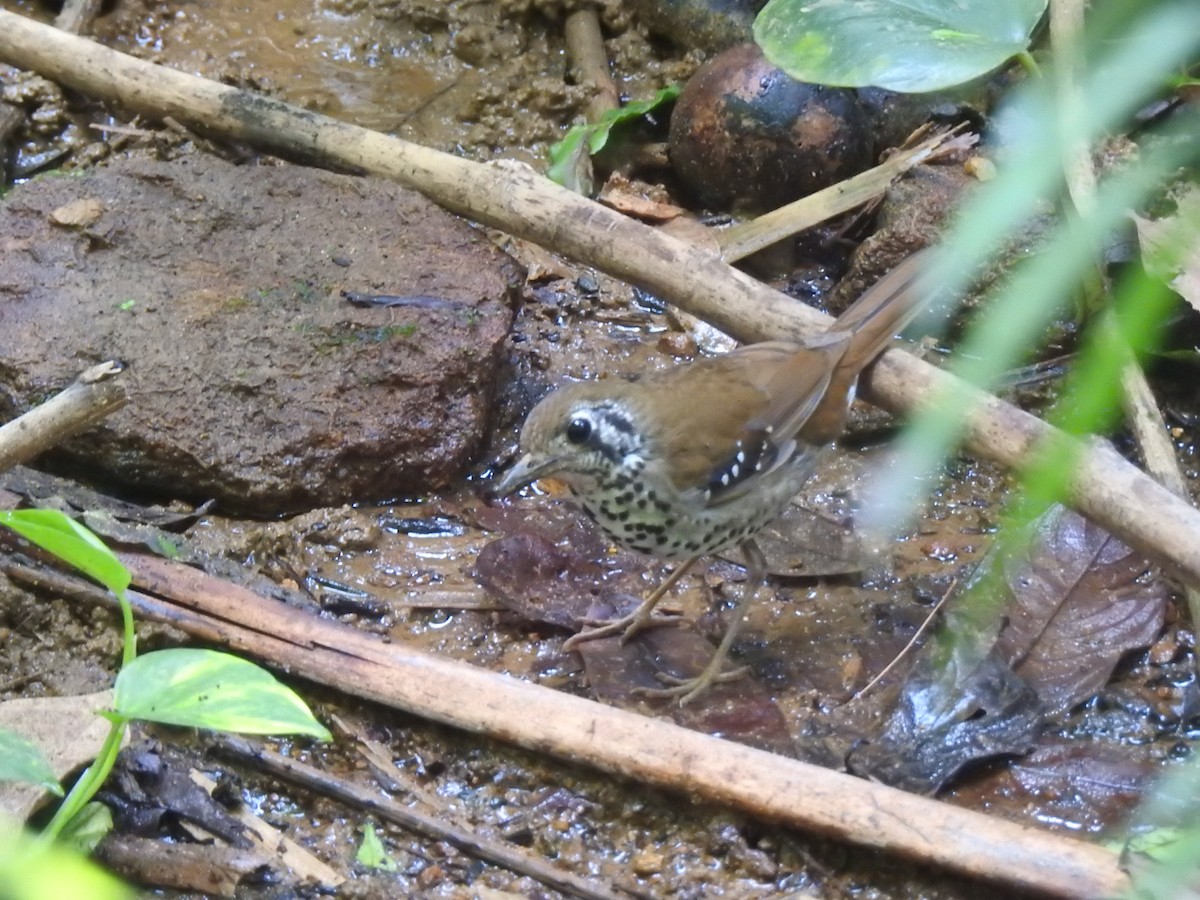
[[578, 431]]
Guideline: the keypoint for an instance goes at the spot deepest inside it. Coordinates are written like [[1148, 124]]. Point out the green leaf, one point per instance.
[[33, 870], [903, 45], [21, 760], [592, 137], [371, 853], [69, 541], [208, 689], [88, 827]]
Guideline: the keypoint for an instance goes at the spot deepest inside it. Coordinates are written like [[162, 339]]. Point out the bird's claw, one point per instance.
[[626, 626], [688, 689]]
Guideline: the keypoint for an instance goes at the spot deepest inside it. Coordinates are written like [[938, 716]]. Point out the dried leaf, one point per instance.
[[927, 741], [555, 568], [547, 568], [1080, 600], [1075, 600], [740, 710]]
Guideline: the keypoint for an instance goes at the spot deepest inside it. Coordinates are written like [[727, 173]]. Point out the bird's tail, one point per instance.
[[872, 321]]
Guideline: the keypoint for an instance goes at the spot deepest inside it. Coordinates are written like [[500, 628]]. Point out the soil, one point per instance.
[[386, 537]]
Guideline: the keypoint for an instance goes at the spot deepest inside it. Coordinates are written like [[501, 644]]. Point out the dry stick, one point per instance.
[[305, 865], [513, 198], [280, 652], [762, 784], [749, 237], [95, 394], [196, 869], [589, 61], [498, 852]]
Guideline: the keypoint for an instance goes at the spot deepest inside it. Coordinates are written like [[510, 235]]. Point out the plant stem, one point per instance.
[[89, 782], [129, 641], [1029, 64]]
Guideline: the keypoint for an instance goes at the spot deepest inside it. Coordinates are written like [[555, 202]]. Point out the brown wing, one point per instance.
[[726, 420], [750, 401]]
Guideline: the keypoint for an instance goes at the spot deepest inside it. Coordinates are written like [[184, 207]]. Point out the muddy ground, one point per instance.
[[396, 553]]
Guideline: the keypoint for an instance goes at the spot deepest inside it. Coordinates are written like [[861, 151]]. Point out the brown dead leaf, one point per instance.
[[552, 564], [1080, 599], [638, 200], [741, 710]]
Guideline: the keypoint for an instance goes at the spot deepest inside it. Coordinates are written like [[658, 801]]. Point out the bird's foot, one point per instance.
[[688, 689], [627, 626]]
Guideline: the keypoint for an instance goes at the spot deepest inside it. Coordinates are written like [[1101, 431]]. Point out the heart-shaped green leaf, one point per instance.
[[206, 689], [903, 45]]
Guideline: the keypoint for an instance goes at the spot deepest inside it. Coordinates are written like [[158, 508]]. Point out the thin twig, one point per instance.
[[589, 61], [749, 237], [912, 642]]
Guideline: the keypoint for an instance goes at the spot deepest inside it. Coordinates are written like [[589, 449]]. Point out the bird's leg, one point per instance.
[[642, 617], [687, 689]]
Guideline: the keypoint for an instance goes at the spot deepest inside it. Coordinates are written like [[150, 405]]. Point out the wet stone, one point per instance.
[[251, 378]]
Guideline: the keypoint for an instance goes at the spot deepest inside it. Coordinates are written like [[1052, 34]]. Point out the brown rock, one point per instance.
[[252, 380]]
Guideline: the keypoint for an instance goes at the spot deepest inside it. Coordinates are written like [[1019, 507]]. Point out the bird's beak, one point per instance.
[[528, 469]]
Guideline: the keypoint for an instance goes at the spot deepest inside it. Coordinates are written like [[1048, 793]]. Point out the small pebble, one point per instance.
[[677, 344], [431, 875], [648, 862], [1164, 649]]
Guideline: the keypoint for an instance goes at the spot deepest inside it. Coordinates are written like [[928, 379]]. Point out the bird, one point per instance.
[[695, 459]]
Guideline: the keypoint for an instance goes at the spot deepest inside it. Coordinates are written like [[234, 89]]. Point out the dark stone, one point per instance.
[[746, 135]]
